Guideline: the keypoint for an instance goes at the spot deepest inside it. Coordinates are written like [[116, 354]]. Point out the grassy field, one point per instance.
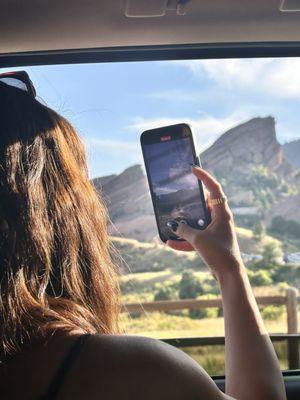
[[161, 276], [166, 325], [249, 245], [161, 326], [212, 358], [141, 286]]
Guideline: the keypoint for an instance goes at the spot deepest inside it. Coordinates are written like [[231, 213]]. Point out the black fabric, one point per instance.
[[69, 360]]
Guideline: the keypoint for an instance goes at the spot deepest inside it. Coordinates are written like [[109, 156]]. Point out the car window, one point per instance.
[[245, 116]]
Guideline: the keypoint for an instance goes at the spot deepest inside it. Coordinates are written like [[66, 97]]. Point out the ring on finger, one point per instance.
[[218, 201]]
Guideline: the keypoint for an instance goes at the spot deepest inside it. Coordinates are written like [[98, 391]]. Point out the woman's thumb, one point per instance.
[[186, 232]]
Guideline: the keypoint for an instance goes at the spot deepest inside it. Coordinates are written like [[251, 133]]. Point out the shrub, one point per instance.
[[203, 313], [259, 230], [272, 313], [189, 286], [210, 286], [271, 253], [166, 292], [284, 226], [259, 278], [288, 273]]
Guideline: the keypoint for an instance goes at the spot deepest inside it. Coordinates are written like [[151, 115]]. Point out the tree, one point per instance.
[[260, 278], [285, 227], [204, 313], [166, 292], [288, 273], [271, 253], [259, 230], [272, 313], [189, 286]]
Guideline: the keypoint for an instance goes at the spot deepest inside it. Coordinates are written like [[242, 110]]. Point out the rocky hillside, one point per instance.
[[249, 161], [291, 151], [246, 145], [252, 166], [129, 204]]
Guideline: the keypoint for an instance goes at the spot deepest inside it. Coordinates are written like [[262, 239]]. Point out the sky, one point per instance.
[[111, 104]]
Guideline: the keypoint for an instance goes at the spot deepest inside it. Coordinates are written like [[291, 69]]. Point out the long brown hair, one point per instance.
[[55, 260]]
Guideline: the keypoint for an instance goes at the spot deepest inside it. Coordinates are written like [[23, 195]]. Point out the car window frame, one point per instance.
[[157, 53]]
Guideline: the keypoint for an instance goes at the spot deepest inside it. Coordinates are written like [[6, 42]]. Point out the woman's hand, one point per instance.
[[217, 244]]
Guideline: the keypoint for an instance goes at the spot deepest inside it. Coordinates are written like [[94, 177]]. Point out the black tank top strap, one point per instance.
[[58, 379]]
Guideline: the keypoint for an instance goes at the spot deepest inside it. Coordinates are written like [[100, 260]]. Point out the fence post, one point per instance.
[[292, 325]]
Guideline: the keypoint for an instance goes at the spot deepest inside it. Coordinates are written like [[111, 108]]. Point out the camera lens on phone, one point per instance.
[[172, 225], [183, 221]]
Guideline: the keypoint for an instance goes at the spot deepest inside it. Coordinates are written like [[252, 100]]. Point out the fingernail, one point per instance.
[[172, 225], [195, 166]]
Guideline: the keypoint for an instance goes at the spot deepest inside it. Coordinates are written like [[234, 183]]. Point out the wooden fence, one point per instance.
[[290, 301]]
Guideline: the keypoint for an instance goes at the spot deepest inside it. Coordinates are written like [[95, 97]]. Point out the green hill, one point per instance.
[[139, 257]]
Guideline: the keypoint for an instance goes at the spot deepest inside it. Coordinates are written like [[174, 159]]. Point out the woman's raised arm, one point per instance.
[[252, 368]]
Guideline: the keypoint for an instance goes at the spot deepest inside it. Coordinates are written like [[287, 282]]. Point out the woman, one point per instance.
[[59, 335]]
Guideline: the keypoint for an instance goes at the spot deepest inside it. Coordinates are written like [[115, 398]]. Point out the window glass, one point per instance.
[[245, 116]]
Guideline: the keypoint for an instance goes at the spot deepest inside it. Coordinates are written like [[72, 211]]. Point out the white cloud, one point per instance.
[[175, 95], [110, 144], [206, 128], [278, 77], [116, 148]]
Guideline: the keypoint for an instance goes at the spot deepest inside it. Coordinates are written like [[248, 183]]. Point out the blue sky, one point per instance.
[[111, 104]]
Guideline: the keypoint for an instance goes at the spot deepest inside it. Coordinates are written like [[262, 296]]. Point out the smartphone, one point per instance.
[[176, 193]]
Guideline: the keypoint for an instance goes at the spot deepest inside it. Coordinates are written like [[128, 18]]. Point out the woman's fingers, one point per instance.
[[211, 184], [180, 245], [215, 192], [219, 211]]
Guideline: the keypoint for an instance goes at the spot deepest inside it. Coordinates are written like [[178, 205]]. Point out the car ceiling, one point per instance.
[[42, 25]]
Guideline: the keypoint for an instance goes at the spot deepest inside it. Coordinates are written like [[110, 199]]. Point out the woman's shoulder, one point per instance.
[[140, 367]]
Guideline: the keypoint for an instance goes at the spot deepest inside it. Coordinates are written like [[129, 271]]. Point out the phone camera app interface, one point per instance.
[[175, 188]]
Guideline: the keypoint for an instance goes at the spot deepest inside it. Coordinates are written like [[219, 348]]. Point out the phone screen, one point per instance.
[[176, 192]]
